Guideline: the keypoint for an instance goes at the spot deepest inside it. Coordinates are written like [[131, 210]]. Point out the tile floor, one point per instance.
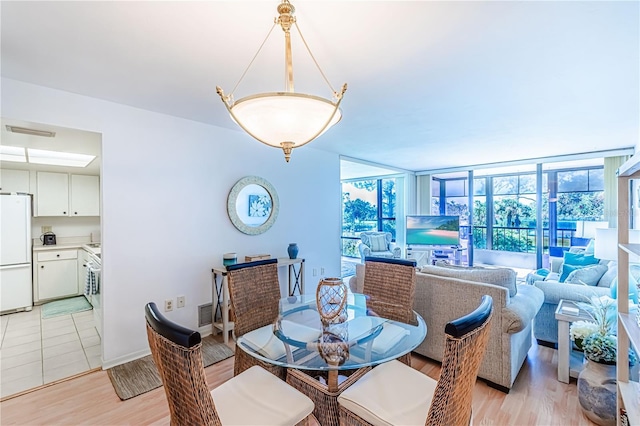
[[35, 351]]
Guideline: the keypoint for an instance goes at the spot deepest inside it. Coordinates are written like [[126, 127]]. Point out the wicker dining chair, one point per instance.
[[254, 292], [396, 394], [253, 397], [390, 286]]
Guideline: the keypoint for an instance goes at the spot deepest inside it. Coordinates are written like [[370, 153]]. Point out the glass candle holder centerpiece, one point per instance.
[[334, 346], [331, 300]]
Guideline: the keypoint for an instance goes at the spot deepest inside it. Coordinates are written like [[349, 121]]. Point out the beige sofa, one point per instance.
[[446, 293]]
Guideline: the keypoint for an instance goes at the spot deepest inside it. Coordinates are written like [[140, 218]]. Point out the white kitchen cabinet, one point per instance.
[[14, 181], [85, 195], [52, 194], [55, 274], [61, 194]]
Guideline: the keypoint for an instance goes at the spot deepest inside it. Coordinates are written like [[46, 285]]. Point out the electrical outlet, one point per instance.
[[168, 305], [180, 302], [46, 228], [321, 271], [315, 272]]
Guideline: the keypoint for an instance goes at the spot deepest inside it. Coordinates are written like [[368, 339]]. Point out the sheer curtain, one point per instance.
[[611, 165]]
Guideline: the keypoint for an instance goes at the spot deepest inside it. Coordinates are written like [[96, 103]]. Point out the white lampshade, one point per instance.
[[587, 228], [274, 118], [606, 243]]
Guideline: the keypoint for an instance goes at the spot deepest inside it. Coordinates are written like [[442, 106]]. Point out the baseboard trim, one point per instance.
[[547, 344], [497, 386], [106, 364], [204, 332]]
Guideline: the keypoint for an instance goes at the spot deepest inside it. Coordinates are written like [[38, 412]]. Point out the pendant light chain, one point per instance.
[[252, 60], [317, 64]]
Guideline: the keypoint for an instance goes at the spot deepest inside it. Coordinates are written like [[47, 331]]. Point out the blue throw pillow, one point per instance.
[[633, 289], [542, 272], [579, 259], [568, 269]]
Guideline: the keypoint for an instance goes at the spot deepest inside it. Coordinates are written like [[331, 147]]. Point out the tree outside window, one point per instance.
[[368, 205]]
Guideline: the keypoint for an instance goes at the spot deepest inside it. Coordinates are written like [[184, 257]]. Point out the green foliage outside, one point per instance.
[[581, 206], [507, 236], [350, 247]]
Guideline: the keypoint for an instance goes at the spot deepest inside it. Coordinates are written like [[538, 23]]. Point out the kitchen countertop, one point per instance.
[[41, 247], [79, 245]]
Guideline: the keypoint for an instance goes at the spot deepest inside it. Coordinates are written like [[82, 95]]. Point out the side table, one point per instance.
[[570, 362], [295, 278], [220, 302]]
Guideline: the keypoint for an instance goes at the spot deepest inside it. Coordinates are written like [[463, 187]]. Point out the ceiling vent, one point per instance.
[[32, 132]]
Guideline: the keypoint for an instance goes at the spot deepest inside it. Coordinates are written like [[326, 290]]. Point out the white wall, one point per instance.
[[66, 226], [165, 182]]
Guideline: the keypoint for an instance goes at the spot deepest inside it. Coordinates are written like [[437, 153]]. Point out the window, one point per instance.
[[505, 206], [367, 205]]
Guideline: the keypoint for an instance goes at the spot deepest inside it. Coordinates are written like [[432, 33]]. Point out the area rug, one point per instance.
[[65, 307], [140, 376]]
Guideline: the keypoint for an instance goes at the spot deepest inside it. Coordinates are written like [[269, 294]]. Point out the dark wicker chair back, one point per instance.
[[466, 341], [390, 285], [177, 353], [254, 292]]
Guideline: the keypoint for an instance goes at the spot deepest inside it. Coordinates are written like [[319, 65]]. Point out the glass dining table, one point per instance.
[[298, 338]]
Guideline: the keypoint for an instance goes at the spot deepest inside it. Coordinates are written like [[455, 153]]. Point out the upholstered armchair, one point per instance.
[[377, 244]]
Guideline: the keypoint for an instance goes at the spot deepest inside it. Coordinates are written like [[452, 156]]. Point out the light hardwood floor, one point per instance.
[[537, 398]]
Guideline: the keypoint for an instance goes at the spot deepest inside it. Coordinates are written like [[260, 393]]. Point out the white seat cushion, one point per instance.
[[263, 341], [391, 394], [360, 327], [257, 397], [390, 335]]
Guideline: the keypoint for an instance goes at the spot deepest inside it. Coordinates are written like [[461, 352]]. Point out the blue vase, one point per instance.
[[292, 250]]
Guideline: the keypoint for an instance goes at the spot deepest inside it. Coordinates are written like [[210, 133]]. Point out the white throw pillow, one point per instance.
[[378, 243], [589, 275]]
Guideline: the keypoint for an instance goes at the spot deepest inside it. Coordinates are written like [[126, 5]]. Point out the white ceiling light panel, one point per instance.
[[55, 158], [12, 153]]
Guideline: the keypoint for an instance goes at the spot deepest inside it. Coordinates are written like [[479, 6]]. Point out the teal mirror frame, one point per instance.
[[233, 198]]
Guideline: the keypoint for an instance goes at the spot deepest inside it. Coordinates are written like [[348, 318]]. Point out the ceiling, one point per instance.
[[65, 140], [431, 85]]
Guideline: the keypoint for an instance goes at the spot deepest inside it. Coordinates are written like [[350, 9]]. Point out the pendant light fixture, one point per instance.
[[286, 119]]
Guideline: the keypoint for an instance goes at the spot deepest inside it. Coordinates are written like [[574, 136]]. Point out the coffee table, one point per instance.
[[570, 362]]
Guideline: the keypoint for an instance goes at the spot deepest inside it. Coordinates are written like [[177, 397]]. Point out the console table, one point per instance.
[[220, 302], [428, 256], [295, 278]]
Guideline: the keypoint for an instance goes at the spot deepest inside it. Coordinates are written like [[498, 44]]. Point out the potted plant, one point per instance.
[[597, 381]]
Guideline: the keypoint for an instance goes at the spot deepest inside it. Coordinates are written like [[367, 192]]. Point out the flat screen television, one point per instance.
[[433, 230]]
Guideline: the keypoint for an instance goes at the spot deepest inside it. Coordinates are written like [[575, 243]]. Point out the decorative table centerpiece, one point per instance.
[[331, 301]]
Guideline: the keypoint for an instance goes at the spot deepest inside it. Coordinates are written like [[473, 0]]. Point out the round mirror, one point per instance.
[[253, 205]]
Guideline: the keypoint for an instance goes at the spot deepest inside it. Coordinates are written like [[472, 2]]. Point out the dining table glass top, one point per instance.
[[298, 338]]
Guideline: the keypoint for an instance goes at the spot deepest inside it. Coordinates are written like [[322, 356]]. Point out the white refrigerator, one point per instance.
[[16, 289]]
